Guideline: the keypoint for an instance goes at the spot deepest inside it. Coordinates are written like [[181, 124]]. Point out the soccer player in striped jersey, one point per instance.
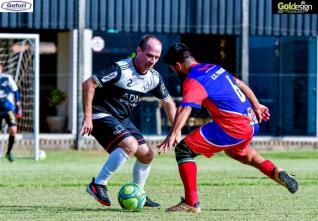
[[235, 117], [10, 108], [109, 99]]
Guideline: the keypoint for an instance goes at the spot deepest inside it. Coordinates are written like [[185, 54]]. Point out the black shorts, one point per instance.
[[9, 118], [109, 131]]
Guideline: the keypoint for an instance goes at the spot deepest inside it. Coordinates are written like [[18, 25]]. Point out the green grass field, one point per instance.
[[54, 189]]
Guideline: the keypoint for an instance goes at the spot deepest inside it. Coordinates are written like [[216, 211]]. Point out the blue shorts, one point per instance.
[[109, 131]]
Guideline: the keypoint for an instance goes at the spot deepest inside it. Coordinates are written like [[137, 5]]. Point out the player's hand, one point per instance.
[[262, 113], [169, 143], [87, 126]]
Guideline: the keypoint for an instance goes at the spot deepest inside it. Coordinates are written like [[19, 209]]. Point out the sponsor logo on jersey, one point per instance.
[[5, 84], [147, 86], [251, 114], [130, 99], [215, 75]]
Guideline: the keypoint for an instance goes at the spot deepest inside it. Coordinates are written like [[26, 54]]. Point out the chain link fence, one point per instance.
[[283, 73]]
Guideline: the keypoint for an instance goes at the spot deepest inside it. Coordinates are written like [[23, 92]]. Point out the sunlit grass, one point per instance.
[[54, 189]]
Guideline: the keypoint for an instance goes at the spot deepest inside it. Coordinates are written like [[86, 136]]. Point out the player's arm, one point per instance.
[[167, 102], [102, 78], [182, 114], [193, 95], [88, 91], [170, 108], [18, 105], [262, 111], [17, 98]]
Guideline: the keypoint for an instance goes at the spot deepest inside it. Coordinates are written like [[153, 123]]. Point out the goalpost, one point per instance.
[[19, 55]]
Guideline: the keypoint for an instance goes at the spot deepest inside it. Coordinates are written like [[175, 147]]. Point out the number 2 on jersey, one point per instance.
[[237, 90]]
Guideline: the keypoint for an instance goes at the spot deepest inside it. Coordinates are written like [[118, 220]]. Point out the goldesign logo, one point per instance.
[[294, 7], [16, 6]]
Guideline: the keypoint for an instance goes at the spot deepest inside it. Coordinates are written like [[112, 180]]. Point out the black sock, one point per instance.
[[10, 144]]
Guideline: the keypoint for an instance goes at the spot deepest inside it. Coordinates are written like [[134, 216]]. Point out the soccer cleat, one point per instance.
[[183, 207], [150, 203], [10, 157], [99, 192], [288, 181]]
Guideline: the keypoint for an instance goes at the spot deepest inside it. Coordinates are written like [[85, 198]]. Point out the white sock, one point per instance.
[[117, 158], [140, 173]]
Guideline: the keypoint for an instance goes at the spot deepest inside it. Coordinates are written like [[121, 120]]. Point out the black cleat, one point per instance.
[[99, 192], [10, 157], [289, 181], [150, 203]]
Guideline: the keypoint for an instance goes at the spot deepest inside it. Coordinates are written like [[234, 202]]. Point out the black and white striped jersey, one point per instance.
[[121, 87]]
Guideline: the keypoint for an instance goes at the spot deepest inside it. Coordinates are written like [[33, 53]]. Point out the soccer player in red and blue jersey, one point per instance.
[[235, 117]]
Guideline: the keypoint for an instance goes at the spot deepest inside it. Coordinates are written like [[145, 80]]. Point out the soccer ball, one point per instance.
[[42, 155], [131, 196]]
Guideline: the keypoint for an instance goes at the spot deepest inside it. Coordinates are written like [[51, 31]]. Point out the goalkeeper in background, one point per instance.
[[10, 107]]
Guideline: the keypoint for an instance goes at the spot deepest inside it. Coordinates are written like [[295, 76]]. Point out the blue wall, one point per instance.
[[219, 17]]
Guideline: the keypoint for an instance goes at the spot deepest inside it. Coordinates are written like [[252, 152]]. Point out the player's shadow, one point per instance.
[[57, 209], [227, 210], [17, 159]]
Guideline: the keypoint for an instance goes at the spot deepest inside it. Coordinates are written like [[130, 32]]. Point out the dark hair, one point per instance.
[[177, 52], [144, 40]]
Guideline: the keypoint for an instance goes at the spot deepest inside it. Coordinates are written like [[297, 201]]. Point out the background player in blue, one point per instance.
[[109, 98], [10, 108], [233, 108]]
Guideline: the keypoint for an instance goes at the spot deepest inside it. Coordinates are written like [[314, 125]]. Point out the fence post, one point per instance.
[[245, 35], [80, 63]]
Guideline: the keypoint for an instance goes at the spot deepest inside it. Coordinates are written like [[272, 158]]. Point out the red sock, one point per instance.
[[188, 173], [268, 168]]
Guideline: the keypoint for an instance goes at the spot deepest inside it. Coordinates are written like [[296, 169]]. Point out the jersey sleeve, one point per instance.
[[12, 84], [107, 76], [161, 91], [193, 93], [14, 88], [233, 77]]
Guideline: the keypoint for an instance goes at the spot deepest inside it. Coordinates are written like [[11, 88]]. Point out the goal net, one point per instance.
[[19, 56]]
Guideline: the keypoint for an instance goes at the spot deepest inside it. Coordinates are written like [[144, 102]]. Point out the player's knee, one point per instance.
[[148, 156], [130, 146], [12, 130], [184, 153], [132, 149]]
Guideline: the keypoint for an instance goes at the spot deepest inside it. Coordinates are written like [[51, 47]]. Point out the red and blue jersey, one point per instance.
[[214, 88]]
